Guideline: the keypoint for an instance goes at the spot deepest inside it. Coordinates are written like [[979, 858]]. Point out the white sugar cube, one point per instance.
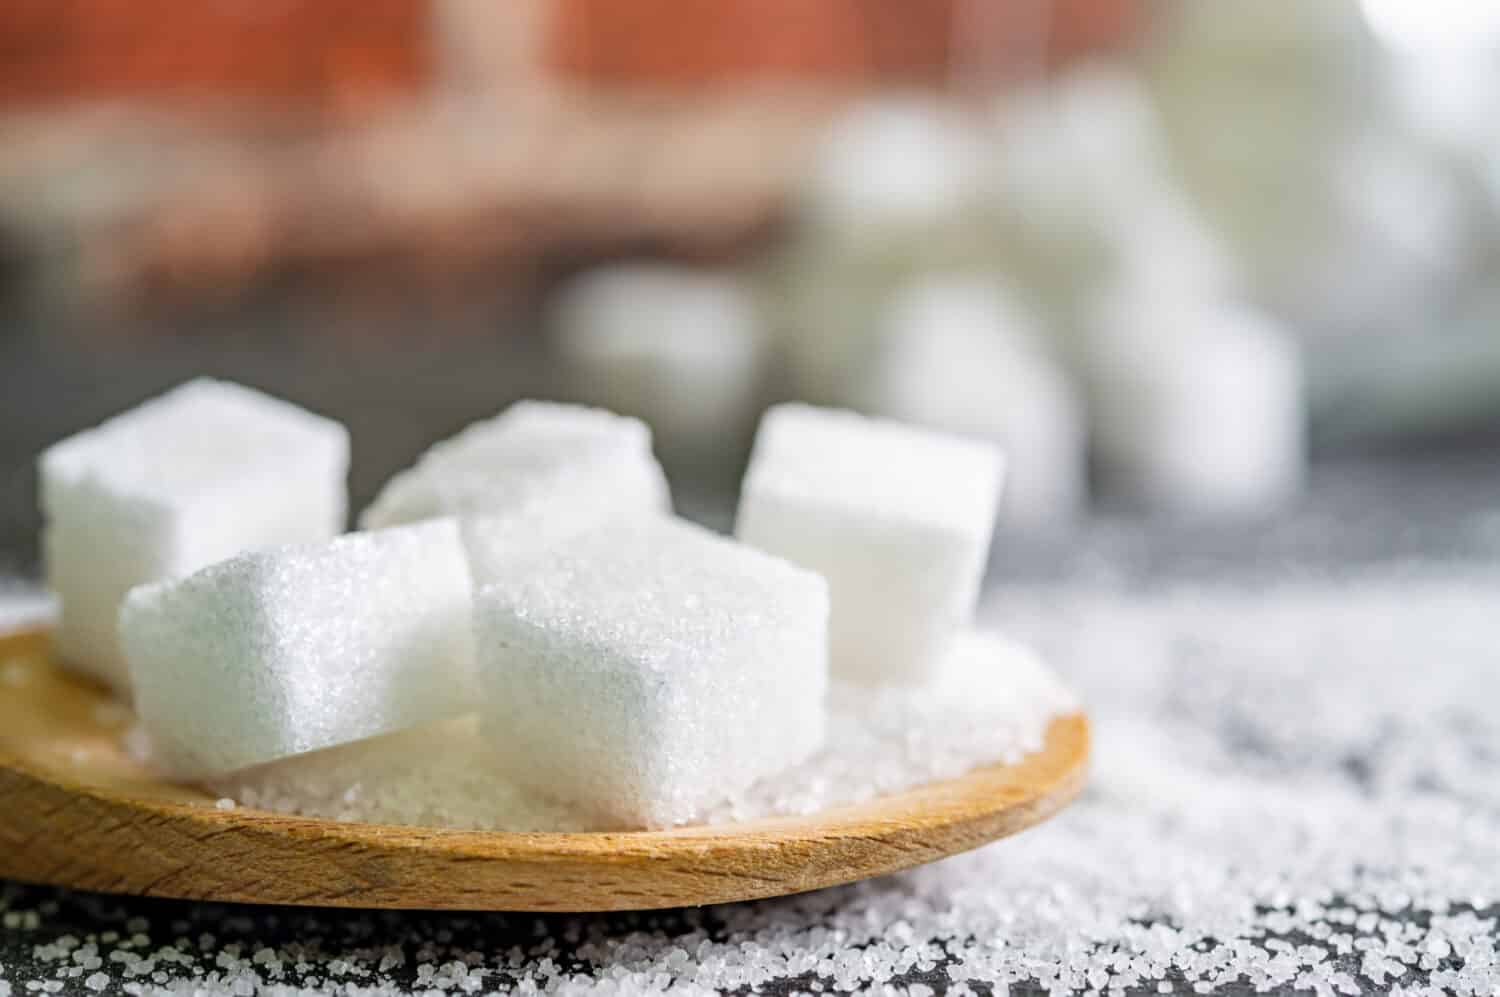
[[203, 472], [1198, 406], [1072, 160], [897, 519], [647, 671], [533, 454], [279, 652], [962, 355], [894, 162], [679, 346]]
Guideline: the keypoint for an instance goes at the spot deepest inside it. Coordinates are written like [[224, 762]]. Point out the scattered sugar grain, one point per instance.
[[1235, 836]]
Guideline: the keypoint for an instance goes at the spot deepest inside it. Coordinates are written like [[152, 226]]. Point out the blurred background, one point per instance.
[[1222, 278]]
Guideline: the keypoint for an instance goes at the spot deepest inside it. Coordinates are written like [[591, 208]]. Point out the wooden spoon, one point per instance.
[[76, 811]]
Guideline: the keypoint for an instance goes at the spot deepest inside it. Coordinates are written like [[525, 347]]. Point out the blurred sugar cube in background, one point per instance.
[[1178, 261], [894, 167], [963, 355], [1197, 406], [681, 347]]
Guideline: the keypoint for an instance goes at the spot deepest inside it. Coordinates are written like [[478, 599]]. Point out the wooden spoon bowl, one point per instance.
[[77, 811]]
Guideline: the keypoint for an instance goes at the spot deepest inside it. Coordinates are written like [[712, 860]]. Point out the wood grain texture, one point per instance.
[[76, 811]]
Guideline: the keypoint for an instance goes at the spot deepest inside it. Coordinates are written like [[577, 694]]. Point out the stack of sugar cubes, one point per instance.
[[620, 661]]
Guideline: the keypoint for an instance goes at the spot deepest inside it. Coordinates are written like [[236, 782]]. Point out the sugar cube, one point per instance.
[[646, 671], [531, 455], [499, 545], [1198, 406], [1073, 160], [208, 470], [961, 354], [894, 162], [679, 346], [279, 652], [897, 519]]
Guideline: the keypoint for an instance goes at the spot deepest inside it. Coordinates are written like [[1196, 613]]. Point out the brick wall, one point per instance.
[[335, 50], [351, 51]]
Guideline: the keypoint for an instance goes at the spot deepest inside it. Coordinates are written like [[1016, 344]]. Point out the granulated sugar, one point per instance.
[[992, 702], [434, 775], [1294, 789]]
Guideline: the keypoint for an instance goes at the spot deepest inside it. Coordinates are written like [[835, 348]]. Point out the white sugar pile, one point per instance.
[[992, 702], [437, 775], [1294, 792]]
